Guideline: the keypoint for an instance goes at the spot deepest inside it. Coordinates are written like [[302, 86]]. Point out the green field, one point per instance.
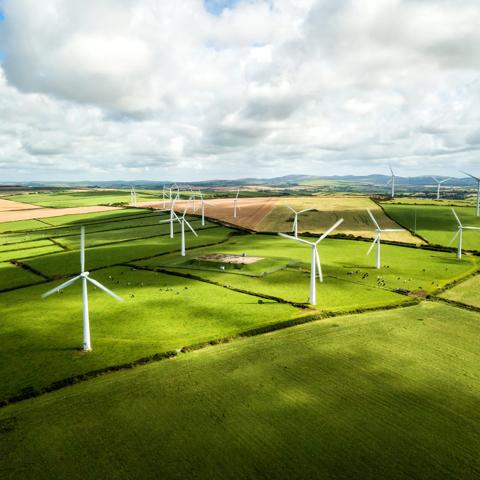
[[436, 223], [65, 199], [387, 393], [384, 395], [466, 292]]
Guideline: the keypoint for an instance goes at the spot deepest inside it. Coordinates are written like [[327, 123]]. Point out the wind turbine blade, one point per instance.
[[472, 176], [190, 227], [284, 235], [319, 265], [82, 248], [471, 228], [105, 289], [61, 287], [330, 230], [435, 179], [288, 206], [238, 191], [454, 237], [393, 230], [456, 217], [373, 218], [446, 180], [372, 245], [306, 210], [165, 221], [389, 181]]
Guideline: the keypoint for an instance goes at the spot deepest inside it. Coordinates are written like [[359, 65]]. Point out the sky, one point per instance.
[[197, 90]]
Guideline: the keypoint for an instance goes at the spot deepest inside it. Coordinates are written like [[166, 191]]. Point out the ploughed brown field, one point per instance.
[[250, 212]]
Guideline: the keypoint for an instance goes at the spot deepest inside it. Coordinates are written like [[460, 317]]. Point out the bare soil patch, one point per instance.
[[227, 258], [9, 205]]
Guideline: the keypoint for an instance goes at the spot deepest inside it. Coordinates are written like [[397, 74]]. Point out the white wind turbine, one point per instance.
[[173, 217], [439, 183], [235, 204], [392, 181], [315, 259], [163, 195], [477, 179], [133, 196], [459, 234], [295, 220], [184, 221], [202, 207], [378, 237], [85, 277]]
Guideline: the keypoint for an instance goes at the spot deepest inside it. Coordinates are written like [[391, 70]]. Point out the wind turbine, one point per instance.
[[477, 179], [439, 183], [172, 218], [235, 206], [133, 197], [392, 181], [163, 195], [184, 221], [202, 207], [378, 236], [459, 234], [295, 220], [85, 277], [315, 259]]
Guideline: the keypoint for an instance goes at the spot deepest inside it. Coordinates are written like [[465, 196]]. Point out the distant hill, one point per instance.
[[286, 180]]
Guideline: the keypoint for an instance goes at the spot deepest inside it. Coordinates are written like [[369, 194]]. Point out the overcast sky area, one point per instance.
[[194, 90]]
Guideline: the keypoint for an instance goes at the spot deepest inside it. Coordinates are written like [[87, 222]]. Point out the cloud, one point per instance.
[[141, 88]]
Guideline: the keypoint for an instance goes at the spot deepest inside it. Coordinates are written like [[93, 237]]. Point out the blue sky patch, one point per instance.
[[216, 7]]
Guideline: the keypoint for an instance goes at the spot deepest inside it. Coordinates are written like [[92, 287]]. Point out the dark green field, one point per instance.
[[385, 395]]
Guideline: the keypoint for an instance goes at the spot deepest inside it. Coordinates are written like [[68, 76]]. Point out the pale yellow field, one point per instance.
[[327, 211]]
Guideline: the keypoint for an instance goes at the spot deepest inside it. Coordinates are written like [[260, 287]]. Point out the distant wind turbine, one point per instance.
[[173, 217], [235, 204], [85, 277], [133, 197], [392, 181], [477, 179], [315, 259], [459, 234], [439, 183], [378, 236], [295, 219]]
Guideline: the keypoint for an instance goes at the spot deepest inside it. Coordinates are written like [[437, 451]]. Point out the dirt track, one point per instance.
[[13, 211], [250, 213]]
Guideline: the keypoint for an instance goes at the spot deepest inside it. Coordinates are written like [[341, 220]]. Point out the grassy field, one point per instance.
[[437, 223], [49, 339], [327, 210], [350, 277], [466, 292], [384, 395], [65, 199], [445, 202]]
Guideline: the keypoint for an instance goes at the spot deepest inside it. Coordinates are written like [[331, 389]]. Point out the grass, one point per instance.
[[433, 201], [12, 276], [465, 292], [65, 199], [350, 277], [437, 223], [327, 210], [40, 337], [384, 395]]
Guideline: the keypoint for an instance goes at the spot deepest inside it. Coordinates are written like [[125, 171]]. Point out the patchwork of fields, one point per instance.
[[401, 376]]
